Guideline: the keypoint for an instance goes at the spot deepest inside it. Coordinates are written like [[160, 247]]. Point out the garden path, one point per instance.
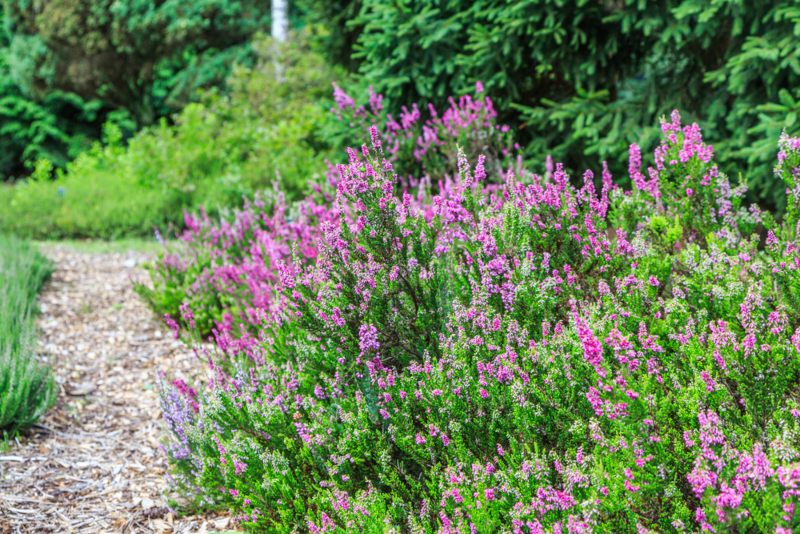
[[94, 463]]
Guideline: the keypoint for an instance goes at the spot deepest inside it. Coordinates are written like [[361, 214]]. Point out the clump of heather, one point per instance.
[[223, 272], [503, 351], [788, 170], [221, 276], [423, 141]]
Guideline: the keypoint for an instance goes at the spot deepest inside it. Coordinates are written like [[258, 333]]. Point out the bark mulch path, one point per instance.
[[95, 463]]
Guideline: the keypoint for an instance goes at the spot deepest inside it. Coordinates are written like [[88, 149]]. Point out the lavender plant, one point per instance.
[[498, 351], [27, 389]]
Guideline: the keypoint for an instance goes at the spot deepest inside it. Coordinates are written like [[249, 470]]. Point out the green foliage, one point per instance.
[[335, 26], [69, 66], [142, 56], [589, 78], [27, 389], [57, 126], [220, 149]]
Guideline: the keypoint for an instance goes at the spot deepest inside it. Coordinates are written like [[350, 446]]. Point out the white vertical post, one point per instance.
[[280, 20], [280, 27]]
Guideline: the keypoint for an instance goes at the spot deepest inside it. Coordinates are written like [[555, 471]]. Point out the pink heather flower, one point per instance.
[[187, 315], [710, 383], [689, 192], [327, 522], [480, 171], [478, 87], [342, 501], [173, 326], [420, 439], [592, 349], [771, 239], [375, 138], [375, 101], [368, 339], [342, 99], [593, 396], [700, 517], [484, 394], [489, 494], [635, 166], [239, 466]]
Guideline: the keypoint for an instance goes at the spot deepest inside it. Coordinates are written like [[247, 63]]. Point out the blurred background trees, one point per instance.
[[583, 79], [69, 65], [578, 79]]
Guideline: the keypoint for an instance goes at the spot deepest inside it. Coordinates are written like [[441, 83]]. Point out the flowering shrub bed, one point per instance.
[[500, 351]]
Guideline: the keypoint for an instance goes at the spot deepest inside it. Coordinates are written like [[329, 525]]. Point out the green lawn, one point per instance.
[[99, 246]]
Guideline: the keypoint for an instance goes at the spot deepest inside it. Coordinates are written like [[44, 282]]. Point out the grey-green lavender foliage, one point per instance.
[[27, 388]]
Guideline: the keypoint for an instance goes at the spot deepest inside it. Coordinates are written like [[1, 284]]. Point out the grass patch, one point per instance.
[[27, 388], [100, 246]]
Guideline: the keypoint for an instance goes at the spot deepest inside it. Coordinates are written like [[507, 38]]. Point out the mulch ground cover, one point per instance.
[[94, 463]]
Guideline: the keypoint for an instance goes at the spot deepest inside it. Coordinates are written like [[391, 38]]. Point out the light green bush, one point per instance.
[[219, 150]]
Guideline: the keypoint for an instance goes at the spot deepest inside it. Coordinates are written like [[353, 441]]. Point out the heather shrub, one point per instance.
[[27, 388], [199, 281], [500, 350], [422, 142], [208, 281]]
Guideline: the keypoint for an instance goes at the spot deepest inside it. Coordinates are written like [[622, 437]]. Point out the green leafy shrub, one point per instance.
[[219, 150], [143, 57], [69, 66], [27, 388], [56, 126]]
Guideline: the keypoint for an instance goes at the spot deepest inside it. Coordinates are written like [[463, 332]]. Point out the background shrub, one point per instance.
[[69, 66], [27, 389], [583, 80], [219, 150]]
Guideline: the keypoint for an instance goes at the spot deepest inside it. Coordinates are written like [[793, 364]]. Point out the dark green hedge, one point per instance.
[[586, 78]]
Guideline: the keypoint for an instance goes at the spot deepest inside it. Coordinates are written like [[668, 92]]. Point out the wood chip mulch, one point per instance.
[[95, 463]]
